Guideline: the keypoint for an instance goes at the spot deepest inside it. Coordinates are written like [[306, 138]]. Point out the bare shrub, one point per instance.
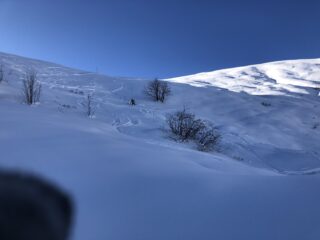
[[266, 104], [89, 105], [1, 73], [31, 88], [184, 126], [158, 90], [207, 138]]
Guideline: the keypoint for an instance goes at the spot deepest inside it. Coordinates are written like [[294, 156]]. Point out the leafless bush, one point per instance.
[[31, 88], [1, 73], [158, 90], [266, 104], [207, 138], [185, 126], [89, 105]]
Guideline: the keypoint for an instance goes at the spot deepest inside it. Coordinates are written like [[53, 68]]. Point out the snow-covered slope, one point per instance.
[[268, 112], [130, 181], [276, 78]]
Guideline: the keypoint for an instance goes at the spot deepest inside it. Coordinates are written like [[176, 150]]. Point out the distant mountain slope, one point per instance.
[[284, 77]]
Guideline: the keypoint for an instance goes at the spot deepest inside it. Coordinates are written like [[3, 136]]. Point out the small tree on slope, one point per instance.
[[158, 90], [89, 105], [31, 88]]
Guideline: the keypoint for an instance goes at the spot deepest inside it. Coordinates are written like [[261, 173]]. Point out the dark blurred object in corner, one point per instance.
[[32, 209]]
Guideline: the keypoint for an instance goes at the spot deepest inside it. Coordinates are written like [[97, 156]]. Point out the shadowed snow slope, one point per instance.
[[131, 182]]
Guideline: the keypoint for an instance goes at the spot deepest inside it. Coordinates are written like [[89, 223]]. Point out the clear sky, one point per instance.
[[160, 38]]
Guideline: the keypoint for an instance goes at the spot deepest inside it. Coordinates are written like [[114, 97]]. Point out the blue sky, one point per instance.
[[160, 38]]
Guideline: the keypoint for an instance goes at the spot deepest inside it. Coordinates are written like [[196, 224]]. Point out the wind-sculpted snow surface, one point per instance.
[[130, 181], [277, 78]]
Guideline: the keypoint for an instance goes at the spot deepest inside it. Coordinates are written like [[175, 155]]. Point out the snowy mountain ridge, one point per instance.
[[275, 78]]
